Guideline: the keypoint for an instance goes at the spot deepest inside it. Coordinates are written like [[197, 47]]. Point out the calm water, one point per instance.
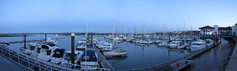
[[214, 59], [139, 55], [144, 55]]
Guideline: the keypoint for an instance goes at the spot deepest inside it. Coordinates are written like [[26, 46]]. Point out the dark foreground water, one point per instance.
[[213, 60], [141, 55]]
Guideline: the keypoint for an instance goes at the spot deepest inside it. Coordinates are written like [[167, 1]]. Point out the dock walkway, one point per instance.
[[103, 61]]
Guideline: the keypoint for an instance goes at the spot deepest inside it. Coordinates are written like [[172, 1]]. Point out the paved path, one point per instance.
[[232, 65]]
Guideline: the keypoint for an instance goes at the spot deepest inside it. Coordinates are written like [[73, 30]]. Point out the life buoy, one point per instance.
[[177, 64]]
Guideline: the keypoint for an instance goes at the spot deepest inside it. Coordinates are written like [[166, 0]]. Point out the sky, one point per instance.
[[128, 16]]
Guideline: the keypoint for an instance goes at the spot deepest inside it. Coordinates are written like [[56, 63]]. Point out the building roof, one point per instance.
[[206, 27], [224, 28]]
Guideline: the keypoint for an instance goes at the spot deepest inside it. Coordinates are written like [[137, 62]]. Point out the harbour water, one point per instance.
[[215, 59], [140, 55]]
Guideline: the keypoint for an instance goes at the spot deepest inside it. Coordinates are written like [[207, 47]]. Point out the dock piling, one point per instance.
[[24, 41], [45, 37], [72, 47]]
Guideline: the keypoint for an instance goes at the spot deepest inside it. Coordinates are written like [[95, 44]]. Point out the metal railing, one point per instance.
[[34, 63]]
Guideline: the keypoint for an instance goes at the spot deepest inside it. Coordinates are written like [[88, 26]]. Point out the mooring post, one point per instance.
[[24, 41], [87, 38], [45, 37], [92, 39], [72, 47], [169, 37]]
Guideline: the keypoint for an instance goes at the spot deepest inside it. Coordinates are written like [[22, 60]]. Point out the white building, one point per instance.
[[207, 30], [216, 29], [234, 29]]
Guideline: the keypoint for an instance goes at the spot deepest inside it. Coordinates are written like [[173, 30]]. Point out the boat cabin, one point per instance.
[[58, 53]]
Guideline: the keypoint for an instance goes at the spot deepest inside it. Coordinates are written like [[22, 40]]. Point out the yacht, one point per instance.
[[163, 44], [197, 45], [115, 53], [45, 51], [109, 51], [66, 61], [57, 55], [183, 45], [174, 44], [42, 52], [209, 42], [81, 45], [51, 42], [31, 48]]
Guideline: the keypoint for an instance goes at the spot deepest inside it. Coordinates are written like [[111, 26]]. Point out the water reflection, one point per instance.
[[214, 59], [140, 55]]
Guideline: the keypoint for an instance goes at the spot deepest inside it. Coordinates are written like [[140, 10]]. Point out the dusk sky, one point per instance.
[[129, 15]]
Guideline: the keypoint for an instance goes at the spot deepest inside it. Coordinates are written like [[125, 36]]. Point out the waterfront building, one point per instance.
[[207, 30], [225, 30], [216, 29], [234, 29]]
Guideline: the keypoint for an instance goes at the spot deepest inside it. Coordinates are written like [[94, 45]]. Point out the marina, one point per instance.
[[136, 51], [118, 35]]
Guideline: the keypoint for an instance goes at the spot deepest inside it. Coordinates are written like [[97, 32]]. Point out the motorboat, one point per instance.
[[163, 44], [109, 51], [57, 56], [174, 44], [183, 45], [115, 53], [209, 42], [81, 45], [197, 45], [51, 42], [31, 48], [42, 52], [66, 61]]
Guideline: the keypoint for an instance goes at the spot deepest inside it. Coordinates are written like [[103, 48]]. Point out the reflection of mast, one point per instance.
[[143, 51]]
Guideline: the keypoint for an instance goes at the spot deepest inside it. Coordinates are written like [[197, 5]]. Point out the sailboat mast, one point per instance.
[[113, 31], [87, 41]]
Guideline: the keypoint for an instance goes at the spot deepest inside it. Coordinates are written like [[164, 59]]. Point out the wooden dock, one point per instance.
[[103, 61]]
